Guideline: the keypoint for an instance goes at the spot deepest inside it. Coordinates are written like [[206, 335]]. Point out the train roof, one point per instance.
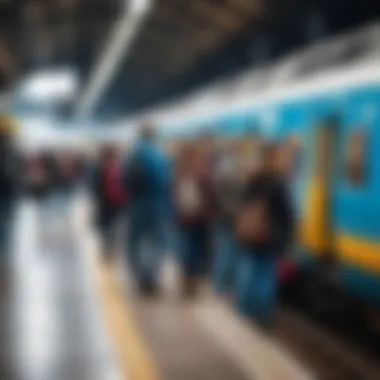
[[345, 61]]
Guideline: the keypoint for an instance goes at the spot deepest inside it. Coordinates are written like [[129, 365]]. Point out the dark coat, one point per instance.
[[11, 170], [273, 190], [105, 212]]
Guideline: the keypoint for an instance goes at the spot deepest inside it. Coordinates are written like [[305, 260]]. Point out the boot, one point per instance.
[[190, 286], [185, 286], [148, 289]]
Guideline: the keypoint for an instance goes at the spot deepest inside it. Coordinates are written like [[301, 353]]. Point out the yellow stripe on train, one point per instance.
[[352, 250], [358, 252], [314, 234]]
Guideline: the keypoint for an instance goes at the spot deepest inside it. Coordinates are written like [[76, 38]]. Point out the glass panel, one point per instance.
[[355, 158], [324, 145], [292, 151]]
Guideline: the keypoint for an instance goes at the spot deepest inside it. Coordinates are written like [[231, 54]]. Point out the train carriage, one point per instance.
[[328, 99]]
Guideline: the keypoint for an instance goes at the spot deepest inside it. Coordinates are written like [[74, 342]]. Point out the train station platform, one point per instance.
[[66, 315]]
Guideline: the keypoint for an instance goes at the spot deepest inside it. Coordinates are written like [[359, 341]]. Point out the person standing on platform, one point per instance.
[[191, 194], [10, 181], [109, 198], [227, 191], [37, 181], [146, 180], [208, 158], [264, 231], [67, 174]]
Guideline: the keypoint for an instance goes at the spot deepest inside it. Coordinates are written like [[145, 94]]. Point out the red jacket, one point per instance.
[[113, 189]]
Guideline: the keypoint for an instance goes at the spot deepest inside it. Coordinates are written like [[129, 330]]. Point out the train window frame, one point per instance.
[[293, 161], [355, 158], [328, 132]]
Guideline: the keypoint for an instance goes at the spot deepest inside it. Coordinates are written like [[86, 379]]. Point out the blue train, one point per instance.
[[334, 113]]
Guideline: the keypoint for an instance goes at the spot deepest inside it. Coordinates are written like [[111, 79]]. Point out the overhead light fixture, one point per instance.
[[139, 7], [118, 48], [49, 86]]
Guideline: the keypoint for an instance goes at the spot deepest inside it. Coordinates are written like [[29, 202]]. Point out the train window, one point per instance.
[[355, 158], [322, 160], [292, 156]]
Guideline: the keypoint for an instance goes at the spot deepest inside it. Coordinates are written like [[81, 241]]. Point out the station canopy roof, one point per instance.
[[177, 45]]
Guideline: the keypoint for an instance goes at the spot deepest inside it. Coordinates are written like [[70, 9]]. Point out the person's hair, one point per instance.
[[186, 155], [147, 132], [269, 150], [188, 150], [205, 137], [107, 151]]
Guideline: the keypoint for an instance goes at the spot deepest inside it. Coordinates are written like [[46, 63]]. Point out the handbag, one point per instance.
[[253, 224]]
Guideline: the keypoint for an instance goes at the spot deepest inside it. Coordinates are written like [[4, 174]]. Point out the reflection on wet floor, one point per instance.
[[52, 328], [68, 317]]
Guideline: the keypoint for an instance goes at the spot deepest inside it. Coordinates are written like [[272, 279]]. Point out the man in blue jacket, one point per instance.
[[146, 178]]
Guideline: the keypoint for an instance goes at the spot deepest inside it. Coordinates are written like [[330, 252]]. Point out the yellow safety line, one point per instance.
[[133, 355]]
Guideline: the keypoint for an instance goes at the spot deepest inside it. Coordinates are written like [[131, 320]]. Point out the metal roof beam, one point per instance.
[[117, 49]]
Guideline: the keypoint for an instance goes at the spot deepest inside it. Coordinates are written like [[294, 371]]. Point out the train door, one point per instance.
[[357, 211], [317, 238], [317, 231]]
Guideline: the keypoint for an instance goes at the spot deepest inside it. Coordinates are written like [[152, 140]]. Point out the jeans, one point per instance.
[[256, 286], [193, 249], [146, 240], [170, 233], [225, 258], [109, 233]]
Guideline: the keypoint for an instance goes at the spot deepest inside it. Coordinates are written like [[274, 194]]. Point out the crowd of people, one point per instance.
[[222, 224], [48, 174], [50, 171]]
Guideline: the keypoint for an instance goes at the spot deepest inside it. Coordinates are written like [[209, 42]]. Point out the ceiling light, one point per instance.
[[120, 43], [139, 7], [48, 86]]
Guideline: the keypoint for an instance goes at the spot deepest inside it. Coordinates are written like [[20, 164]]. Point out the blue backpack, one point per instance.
[[139, 177]]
